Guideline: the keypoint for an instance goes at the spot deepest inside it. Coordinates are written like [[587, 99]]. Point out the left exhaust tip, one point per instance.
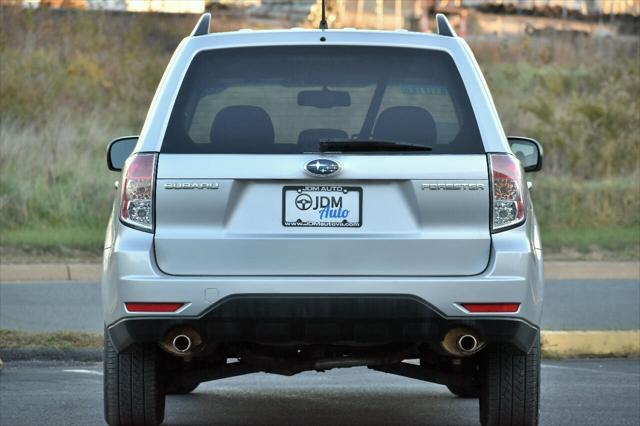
[[467, 343], [182, 342], [461, 342]]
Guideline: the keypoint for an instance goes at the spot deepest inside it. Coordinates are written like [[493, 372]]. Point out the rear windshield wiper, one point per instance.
[[368, 145]]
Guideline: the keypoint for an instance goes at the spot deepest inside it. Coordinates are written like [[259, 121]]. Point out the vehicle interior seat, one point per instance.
[[245, 127], [408, 124]]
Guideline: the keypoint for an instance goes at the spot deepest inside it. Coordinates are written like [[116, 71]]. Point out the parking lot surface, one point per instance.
[[574, 392]]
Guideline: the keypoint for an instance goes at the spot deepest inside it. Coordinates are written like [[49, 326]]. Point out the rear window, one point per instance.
[[285, 100]]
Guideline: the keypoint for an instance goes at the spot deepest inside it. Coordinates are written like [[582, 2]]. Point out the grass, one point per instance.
[[85, 238], [13, 339], [621, 242], [72, 81], [618, 243]]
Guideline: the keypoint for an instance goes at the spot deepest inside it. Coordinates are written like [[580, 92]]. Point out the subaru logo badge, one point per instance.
[[322, 167]]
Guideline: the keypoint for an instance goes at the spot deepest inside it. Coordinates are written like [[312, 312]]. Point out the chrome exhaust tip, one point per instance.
[[181, 343], [467, 343], [461, 342]]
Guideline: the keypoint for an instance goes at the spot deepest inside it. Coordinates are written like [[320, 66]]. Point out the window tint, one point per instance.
[[287, 99]]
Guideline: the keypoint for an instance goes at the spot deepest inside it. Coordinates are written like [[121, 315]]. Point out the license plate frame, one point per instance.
[[327, 191]]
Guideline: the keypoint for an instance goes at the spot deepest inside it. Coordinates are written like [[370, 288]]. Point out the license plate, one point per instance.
[[322, 206]]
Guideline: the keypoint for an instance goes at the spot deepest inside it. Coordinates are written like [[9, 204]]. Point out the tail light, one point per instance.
[[508, 196], [136, 205]]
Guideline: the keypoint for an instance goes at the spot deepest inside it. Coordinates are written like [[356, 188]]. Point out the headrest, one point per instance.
[[243, 127], [406, 124]]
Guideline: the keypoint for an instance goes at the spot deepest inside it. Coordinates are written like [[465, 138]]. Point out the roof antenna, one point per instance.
[[323, 21]]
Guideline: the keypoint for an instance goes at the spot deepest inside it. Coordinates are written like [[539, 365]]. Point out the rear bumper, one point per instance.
[[352, 320], [514, 275]]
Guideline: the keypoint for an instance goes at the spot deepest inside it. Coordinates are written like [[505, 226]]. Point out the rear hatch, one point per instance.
[[240, 187], [411, 224]]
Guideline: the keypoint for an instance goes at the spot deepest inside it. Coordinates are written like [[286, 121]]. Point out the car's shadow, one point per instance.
[[338, 401]]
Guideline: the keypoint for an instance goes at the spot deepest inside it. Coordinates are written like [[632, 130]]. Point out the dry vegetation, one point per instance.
[[70, 82], [13, 339]]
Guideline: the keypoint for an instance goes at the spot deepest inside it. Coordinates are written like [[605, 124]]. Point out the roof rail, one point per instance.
[[444, 27], [203, 25]]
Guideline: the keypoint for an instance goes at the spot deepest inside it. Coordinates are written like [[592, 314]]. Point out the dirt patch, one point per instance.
[[13, 339]]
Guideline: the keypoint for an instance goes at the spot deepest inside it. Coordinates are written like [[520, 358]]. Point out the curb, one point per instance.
[[49, 354], [591, 270], [92, 272], [555, 344], [50, 272], [597, 344]]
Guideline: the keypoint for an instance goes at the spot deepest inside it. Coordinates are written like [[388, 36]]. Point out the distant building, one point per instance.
[[383, 14], [585, 7], [244, 3], [106, 4], [291, 12], [74, 4], [168, 6]]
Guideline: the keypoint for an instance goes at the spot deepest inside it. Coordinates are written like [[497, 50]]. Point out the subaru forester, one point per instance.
[[304, 200]]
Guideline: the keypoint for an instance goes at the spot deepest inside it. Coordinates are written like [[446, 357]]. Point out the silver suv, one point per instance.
[[314, 199]]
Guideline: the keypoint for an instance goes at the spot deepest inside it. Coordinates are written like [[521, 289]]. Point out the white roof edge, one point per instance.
[[328, 37], [326, 33]]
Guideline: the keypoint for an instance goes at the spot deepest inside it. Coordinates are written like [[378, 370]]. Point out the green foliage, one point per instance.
[[56, 238], [579, 98], [569, 203], [60, 242], [72, 81], [81, 63], [623, 242]]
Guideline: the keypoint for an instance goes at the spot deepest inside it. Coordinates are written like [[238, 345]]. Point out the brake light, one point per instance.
[[152, 307], [487, 308], [508, 197], [136, 204]]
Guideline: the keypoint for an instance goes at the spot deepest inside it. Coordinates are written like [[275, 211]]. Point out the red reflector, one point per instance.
[[153, 307], [491, 307]]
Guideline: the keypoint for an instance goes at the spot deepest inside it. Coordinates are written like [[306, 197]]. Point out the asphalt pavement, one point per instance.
[[52, 306], [574, 392], [76, 306]]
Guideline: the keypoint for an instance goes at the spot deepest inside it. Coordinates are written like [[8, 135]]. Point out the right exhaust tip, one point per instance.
[[467, 343], [461, 342], [181, 343]]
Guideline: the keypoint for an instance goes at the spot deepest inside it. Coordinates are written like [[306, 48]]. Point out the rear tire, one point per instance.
[[464, 391], [132, 391], [510, 393]]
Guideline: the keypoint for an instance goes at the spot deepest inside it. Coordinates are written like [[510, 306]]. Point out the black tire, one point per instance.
[[510, 392], [132, 391], [464, 391], [175, 389]]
